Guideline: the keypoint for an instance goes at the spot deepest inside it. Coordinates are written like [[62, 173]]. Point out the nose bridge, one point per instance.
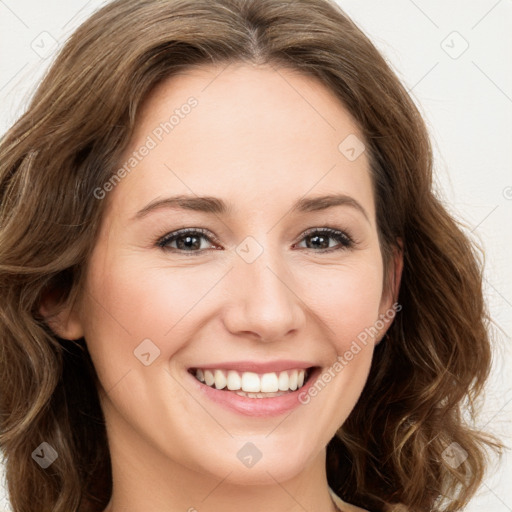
[[263, 300]]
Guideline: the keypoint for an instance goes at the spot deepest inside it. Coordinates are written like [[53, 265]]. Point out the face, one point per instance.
[[259, 287]]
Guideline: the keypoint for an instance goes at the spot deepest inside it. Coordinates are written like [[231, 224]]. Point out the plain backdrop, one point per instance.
[[455, 58]]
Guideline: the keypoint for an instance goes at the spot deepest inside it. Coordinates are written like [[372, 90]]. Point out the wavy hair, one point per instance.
[[425, 375]]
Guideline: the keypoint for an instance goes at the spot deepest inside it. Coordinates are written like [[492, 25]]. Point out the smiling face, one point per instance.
[[268, 279]]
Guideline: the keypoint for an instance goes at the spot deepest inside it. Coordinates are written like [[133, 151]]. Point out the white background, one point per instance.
[[464, 94]]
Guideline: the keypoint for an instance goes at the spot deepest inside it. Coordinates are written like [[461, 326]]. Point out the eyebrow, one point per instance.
[[217, 206]]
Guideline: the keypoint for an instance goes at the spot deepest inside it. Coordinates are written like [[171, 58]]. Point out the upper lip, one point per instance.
[[257, 367]]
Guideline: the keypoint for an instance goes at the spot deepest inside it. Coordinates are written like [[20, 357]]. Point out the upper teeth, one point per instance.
[[252, 382]]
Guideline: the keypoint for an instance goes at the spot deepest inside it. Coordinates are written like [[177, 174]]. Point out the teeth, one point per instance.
[[209, 378], [260, 395], [283, 381], [257, 386], [251, 382], [300, 379], [220, 379], [293, 380], [269, 383], [234, 381]]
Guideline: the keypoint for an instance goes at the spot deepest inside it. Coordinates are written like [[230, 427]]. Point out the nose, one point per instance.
[[263, 301]]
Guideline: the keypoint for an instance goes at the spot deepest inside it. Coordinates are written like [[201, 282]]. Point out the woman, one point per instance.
[[226, 279]]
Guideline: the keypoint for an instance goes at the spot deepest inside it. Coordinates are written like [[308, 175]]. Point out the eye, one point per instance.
[[189, 241], [319, 239], [186, 240]]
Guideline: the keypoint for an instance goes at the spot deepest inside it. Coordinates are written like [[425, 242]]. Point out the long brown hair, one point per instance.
[[425, 374]]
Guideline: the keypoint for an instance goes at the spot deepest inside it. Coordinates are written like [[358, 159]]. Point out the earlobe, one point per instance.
[[63, 319]]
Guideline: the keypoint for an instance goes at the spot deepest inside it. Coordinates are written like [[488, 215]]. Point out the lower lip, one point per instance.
[[272, 406]]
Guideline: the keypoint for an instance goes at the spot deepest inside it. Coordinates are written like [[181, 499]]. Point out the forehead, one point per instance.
[[250, 97], [251, 129]]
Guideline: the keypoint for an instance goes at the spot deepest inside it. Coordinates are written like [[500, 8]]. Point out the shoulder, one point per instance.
[[347, 507], [343, 506]]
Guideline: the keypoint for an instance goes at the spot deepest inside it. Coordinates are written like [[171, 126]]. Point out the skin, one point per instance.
[[260, 139]]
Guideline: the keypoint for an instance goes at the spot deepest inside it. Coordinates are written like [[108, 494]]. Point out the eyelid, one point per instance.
[[335, 233], [326, 229], [163, 240]]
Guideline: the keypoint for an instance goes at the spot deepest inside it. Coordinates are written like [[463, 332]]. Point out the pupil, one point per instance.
[[319, 237], [187, 240]]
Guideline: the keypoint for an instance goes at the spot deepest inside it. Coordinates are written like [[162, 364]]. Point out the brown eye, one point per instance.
[[319, 239], [186, 240]]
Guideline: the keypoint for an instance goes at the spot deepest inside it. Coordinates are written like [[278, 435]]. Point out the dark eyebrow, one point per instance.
[[217, 206], [312, 204], [206, 204]]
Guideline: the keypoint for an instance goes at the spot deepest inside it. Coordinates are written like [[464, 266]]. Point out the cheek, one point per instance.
[[128, 304], [345, 302], [345, 298]]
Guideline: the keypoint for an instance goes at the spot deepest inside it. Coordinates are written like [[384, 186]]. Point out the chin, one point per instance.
[[273, 462]]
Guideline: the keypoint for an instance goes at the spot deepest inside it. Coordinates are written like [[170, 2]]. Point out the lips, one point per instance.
[[254, 389], [258, 367]]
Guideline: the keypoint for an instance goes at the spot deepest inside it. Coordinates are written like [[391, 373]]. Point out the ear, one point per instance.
[[390, 294], [62, 318]]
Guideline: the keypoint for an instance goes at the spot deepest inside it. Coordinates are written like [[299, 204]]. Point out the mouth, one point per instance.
[[251, 384]]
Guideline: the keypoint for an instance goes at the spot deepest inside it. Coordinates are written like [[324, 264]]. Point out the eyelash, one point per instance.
[[344, 239]]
